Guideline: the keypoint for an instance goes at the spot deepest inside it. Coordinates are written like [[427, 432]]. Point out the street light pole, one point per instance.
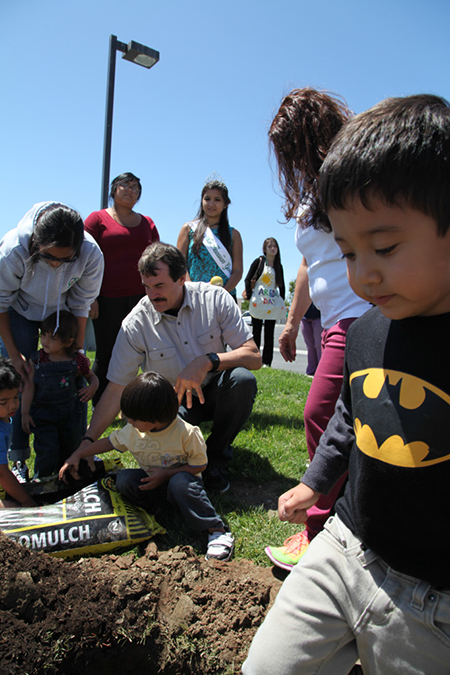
[[137, 53]]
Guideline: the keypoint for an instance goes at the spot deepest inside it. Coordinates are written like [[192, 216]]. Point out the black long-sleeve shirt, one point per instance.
[[252, 273], [391, 429]]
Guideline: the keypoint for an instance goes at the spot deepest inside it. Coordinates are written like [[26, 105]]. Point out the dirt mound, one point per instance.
[[165, 612]]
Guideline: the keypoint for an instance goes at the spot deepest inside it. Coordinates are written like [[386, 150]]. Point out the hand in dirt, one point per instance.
[[70, 466], [27, 423], [90, 463], [293, 504], [156, 477], [86, 393]]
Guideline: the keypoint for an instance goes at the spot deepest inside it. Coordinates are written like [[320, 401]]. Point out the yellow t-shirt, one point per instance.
[[180, 443]]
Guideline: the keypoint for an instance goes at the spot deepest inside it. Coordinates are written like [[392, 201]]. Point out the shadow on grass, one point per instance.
[[253, 467], [178, 533], [265, 420]]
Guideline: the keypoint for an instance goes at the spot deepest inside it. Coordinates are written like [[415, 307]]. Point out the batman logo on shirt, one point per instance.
[[399, 418]]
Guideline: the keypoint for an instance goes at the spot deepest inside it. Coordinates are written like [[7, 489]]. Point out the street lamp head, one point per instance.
[[140, 54]]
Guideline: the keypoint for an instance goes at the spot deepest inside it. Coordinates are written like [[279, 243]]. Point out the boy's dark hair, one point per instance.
[[397, 151], [9, 377], [67, 329], [150, 398], [162, 253]]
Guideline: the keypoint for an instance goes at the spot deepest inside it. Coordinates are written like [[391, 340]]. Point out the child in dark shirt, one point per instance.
[[51, 407], [375, 584], [10, 382]]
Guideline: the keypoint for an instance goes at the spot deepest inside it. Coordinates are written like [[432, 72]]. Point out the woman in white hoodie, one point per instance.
[[47, 263]]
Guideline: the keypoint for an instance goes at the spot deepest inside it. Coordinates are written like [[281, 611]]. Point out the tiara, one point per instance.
[[215, 179]]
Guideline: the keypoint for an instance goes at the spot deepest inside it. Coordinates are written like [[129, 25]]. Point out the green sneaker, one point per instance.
[[289, 554]]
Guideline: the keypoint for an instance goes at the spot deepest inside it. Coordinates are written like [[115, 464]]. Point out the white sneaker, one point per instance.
[[20, 471], [220, 546]]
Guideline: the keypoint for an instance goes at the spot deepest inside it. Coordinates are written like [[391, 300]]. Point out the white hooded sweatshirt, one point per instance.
[[35, 291]]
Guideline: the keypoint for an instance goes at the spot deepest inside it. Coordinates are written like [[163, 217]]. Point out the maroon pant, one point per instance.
[[319, 408]]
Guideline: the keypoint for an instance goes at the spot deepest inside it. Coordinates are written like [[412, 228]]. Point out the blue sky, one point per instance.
[[206, 106]]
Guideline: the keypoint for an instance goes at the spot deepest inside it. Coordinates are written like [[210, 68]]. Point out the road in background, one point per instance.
[[299, 365]]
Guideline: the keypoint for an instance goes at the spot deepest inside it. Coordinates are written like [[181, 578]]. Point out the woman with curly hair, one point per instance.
[[300, 136]]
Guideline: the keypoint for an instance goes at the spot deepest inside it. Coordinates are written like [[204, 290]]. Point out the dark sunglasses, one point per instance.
[[47, 256]]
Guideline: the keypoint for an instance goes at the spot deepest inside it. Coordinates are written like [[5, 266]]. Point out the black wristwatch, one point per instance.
[[214, 360]]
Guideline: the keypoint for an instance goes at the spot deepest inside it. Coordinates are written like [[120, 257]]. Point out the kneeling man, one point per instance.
[[181, 329]]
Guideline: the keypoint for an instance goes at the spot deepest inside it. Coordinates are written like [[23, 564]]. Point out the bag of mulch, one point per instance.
[[50, 490], [94, 520]]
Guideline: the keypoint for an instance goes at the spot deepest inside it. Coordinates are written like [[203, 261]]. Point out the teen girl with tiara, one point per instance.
[[212, 247]]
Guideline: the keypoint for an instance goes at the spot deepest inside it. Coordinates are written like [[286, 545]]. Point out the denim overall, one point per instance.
[[57, 414]]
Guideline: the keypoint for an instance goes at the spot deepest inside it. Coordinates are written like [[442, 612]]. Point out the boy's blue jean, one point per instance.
[[229, 399], [341, 602], [183, 490]]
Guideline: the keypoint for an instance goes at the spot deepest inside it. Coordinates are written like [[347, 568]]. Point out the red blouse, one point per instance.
[[122, 247]]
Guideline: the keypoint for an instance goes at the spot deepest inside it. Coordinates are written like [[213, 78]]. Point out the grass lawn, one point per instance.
[[269, 457]]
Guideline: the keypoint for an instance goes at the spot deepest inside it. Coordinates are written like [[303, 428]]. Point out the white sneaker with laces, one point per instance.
[[220, 546], [20, 471]]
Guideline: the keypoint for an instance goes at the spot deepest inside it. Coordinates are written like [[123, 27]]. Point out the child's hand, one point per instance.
[[71, 464], [293, 504], [27, 423], [8, 504], [156, 477], [86, 393]]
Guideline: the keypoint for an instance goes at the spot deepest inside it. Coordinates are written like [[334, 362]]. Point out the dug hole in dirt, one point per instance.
[[167, 612]]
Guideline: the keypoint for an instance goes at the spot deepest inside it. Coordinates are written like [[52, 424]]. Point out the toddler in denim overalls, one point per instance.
[[52, 406]]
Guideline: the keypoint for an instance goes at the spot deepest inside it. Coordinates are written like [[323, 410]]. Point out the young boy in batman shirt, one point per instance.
[[375, 584]]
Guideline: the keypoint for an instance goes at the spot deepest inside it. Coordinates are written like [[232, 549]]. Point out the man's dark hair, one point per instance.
[[150, 398], [162, 253], [397, 151], [9, 377]]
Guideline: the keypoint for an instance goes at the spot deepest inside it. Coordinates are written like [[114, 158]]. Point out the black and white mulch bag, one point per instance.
[[96, 519]]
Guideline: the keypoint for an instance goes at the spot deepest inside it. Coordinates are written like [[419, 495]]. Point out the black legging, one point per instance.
[[111, 313], [269, 330]]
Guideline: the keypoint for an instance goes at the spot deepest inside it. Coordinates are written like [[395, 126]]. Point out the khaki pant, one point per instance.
[[341, 603]]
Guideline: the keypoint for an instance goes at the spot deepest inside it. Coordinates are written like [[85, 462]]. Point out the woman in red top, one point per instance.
[[122, 235]]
